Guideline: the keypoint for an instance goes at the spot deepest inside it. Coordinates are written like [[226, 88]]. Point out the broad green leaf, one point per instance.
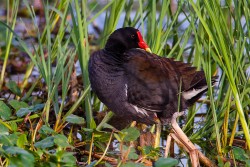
[[18, 104], [22, 140], [69, 159], [3, 130], [14, 88], [163, 162], [46, 130], [8, 140], [75, 119], [239, 154], [20, 157], [13, 126], [5, 111], [227, 164], [24, 111], [132, 154], [131, 134], [45, 143], [147, 149], [61, 140]]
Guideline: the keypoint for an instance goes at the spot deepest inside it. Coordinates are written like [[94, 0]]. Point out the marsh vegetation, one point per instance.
[[50, 117]]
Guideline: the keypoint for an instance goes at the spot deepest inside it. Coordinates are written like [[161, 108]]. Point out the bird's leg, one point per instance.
[[158, 133], [181, 137], [168, 145]]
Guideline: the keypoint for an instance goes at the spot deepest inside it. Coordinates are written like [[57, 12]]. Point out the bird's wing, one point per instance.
[[152, 81]]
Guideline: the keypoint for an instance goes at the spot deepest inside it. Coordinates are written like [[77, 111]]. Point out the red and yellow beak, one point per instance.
[[142, 44]]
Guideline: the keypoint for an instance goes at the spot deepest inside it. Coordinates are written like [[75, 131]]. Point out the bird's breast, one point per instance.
[[107, 80]]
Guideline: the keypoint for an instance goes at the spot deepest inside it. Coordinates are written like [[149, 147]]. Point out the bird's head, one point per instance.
[[124, 39]]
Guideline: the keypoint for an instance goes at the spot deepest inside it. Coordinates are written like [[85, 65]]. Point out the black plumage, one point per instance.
[[138, 85]]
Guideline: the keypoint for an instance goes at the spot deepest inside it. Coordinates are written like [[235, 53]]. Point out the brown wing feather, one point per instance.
[[152, 82]]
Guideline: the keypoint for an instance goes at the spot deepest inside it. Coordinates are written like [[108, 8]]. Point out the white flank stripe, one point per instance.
[[192, 93], [140, 110], [126, 90]]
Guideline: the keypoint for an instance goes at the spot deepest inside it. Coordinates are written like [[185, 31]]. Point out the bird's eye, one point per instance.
[[132, 36]]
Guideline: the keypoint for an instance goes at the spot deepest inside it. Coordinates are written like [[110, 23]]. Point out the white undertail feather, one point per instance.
[[192, 93], [140, 110]]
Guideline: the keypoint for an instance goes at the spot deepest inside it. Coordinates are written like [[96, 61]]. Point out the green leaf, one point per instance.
[[117, 137], [75, 119], [68, 159], [13, 126], [24, 111], [8, 140], [247, 163], [107, 165], [227, 164], [163, 162], [131, 134], [3, 130], [5, 111], [132, 154], [22, 140], [107, 126], [239, 154], [21, 157], [45, 143], [61, 141], [46, 130], [14, 88], [92, 124], [18, 104], [132, 164]]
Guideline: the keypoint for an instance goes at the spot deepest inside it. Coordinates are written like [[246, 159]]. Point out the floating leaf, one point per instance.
[[61, 140], [24, 111], [14, 88], [131, 134], [163, 162], [18, 104], [45, 143], [5, 111], [75, 119]]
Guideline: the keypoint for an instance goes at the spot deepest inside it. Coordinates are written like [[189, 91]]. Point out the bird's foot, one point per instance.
[[183, 141]]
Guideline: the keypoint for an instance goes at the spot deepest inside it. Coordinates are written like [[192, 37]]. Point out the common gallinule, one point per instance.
[[141, 86]]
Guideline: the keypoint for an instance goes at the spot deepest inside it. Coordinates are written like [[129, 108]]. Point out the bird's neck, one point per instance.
[[113, 57], [115, 46]]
